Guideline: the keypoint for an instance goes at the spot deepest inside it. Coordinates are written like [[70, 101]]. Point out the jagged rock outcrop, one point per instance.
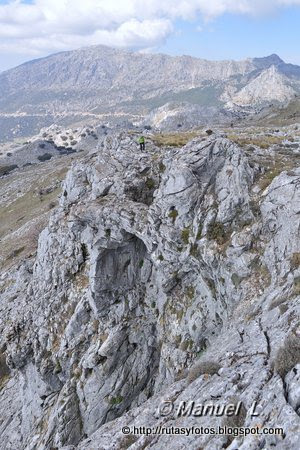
[[153, 263]]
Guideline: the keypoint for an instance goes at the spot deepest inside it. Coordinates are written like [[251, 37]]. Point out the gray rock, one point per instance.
[[141, 275]]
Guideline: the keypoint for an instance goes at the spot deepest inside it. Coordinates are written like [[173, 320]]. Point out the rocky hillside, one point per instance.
[[96, 81], [170, 275], [270, 85], [184, 115]]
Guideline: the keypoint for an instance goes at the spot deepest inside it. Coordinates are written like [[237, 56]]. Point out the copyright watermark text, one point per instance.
[[193, 409]]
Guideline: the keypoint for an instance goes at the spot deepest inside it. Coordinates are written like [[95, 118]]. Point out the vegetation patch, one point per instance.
[[190, 292], [296, 289], [127, 441], [269, 176], [288, 355], [150, 183], [4, 370], [161, 167], [25, 214], [295, 260], [81, 281], [194, 250], [185, 235], [263, 141], [199, 233], [16, 252], [5, 170], [186, 345], [44, 157], [174, 139], [217, 232], [204, 367], [235, 421], [277, 302], [116, 400], [173, 214]]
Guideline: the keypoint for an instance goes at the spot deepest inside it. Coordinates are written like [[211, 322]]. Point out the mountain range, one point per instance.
[[99, 80]]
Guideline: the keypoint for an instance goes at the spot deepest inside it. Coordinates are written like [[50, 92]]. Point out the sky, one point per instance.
[[211, 29]]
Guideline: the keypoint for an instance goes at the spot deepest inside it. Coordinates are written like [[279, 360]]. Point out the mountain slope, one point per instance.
[[87, 76], [99, 80], [269, 86]]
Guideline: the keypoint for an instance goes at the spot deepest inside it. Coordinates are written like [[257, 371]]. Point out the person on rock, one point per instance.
[[142, 143]]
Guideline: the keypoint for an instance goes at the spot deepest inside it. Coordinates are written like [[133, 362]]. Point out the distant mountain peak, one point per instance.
[[269, 85], [267, 61]]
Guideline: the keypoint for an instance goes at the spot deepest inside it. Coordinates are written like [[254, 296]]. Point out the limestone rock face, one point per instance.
[[270, 85], [152, 264], [185, 115]]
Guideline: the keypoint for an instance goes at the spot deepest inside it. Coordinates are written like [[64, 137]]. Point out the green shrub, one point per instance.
[[185, 234], [216, 232], [44, 157], [150, 183], [190, 292], [161, 167], [4, 170], [194, 250], [116, 400], [199, 233], [173, 214]]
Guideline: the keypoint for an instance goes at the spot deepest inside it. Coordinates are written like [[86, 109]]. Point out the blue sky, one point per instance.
[[214, 29], [238, 37]]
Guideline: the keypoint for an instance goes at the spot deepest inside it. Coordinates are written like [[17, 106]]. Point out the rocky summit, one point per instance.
[[162, 278]]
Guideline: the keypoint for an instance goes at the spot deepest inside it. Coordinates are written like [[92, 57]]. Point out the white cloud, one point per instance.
[[50, 25]]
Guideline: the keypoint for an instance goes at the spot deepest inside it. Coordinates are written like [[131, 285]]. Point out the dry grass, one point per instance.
[[175, 139], [4, 370], [263, 141], [24, 211], [81, 281], [204, 367], [288, 355], [269, 176], [295, 260]]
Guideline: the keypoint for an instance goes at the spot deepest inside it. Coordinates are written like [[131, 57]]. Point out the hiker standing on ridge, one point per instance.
[[142, 143]]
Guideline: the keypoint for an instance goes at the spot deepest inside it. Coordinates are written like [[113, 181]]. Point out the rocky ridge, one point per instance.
[[170, 274], [269, 86], [101, 83]]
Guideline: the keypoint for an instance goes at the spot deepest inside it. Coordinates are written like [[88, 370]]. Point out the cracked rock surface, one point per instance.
[[165, 275]]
